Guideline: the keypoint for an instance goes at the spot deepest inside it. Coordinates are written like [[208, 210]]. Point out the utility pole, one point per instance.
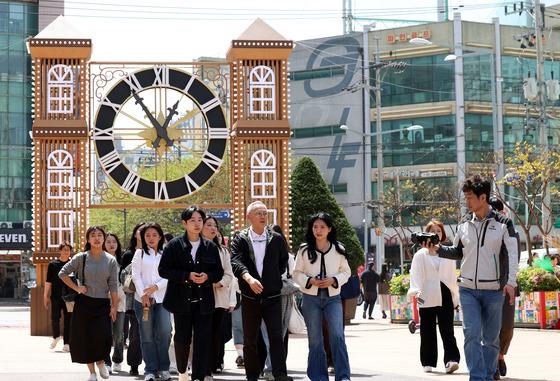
[[379, 158], [366, 156]]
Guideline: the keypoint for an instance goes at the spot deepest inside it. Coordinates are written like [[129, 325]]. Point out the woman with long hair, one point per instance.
[[134, 352], [192, 265], [434, 283], [383, 290], [321, 269], [97, 272], [211, 231], [154, 320], [113, 247]]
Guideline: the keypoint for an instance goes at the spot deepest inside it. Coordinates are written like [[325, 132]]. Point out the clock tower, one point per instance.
[[60, 150], [260, 128]]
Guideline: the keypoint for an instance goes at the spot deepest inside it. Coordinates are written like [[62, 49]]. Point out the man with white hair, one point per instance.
[[259, 258]]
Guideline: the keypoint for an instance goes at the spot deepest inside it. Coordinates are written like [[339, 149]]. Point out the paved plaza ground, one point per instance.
[[378, 350]]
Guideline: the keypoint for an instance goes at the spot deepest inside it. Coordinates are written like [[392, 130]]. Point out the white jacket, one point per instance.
[[425, 279], [336, 266], [222, 294], [145, 273]]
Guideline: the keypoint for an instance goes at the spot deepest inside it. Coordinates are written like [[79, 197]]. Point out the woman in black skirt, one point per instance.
[[96, 271]]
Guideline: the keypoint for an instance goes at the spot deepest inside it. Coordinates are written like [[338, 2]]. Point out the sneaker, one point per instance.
[[370, 318], [451, 367], [149, 377], [364, 315], [267, 375], [208, 378], [54, 342], [240, 362], [219, 369], [66, 348], [164, 375], [133, 371], [109, 368], [384, 315], [103, 370], [331, 369], [173, 369], [496, 375], [184, 376], [117, 367], [92, 377], [502, 367], [427, 369]]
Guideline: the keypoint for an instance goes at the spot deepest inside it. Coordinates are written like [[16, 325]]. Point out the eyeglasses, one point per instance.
[[260, 214]]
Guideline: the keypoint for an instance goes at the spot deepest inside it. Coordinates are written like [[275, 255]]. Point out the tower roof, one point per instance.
[[260, 31], [60, 28]]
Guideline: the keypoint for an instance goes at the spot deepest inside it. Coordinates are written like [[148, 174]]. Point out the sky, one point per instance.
[[175, 30]]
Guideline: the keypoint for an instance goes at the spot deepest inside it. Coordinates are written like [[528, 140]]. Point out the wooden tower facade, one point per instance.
[[60, 152], [260, 128]]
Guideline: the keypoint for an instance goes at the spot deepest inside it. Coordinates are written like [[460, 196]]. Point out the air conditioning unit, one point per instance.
[[28, 224], [5, 225]]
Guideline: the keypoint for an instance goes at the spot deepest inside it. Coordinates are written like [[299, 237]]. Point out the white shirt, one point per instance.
[[259, 248], [195, 246], [435, 261], [145, 272]]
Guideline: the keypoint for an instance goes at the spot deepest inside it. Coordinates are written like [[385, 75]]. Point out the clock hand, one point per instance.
[[172, 112], [161, 133], [186, 117]]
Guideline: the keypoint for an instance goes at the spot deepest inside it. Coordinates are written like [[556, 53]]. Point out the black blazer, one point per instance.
[[177, 264], [274, 265]]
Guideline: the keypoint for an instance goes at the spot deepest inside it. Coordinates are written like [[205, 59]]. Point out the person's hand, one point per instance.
[[113, 313], [81, 289], [46, 302], [255, 285], [218, 285], [325, 283], [145, 299], [198, 278], [432, 249], [150, 289], [509, 292], [230, 309]]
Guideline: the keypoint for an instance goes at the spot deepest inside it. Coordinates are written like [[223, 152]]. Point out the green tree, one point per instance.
[[310, 194]]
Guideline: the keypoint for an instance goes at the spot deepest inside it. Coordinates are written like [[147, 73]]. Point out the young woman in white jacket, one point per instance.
[[210, 231], [321, 269], [433, 281]]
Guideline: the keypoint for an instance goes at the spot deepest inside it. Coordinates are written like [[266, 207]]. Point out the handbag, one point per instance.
[[289, 287], [128, 283], [69, 295], [297, 322]]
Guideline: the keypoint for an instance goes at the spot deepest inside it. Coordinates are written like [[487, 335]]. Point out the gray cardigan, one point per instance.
[[100, 273]]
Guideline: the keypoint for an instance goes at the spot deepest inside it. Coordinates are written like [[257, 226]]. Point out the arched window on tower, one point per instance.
[[261, 90], [60, 179], [263, 174], [60, 90]]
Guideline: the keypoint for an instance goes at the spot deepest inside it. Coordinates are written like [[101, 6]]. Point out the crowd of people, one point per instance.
[[179, 300], [175, 301]]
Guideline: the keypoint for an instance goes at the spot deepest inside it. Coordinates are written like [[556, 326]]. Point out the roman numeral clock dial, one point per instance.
[[160, 133]]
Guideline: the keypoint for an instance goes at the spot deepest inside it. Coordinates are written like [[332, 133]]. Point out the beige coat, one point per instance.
[[222, 294], [336, 266]]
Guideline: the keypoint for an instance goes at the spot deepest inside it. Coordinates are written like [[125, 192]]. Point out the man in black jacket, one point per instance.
[[259, 258]]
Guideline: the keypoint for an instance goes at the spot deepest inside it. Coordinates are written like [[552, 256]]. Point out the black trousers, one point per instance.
[[202, 343], [506, 331], [216, 354], [58, 308], [254, 312], [369, 302], [134, 353], [443, 317]]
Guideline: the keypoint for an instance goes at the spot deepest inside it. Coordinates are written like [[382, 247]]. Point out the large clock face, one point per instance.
[[160, 133]]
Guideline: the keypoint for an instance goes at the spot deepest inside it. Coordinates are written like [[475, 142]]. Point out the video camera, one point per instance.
[[420, 238]]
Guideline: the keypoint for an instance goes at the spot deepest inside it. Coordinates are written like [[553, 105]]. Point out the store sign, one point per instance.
[[407, 36], [15, 239]]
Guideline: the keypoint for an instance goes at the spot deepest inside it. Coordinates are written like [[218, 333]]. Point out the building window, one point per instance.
[[263, 174], [60, 182], [339, 188], [59, 227], [60, 90], [272, 216], [261, 90], [314, 132], [326, 72]]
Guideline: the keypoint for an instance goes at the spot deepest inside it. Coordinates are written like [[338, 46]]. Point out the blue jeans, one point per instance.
[[315, 308], [155, 337], [482, 318]]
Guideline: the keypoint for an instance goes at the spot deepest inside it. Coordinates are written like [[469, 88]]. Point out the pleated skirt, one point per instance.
[[90, 335]]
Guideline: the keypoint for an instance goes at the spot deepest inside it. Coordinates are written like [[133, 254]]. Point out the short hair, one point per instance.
[[188, 213], [65, 244], [496, 204], [478, 186], [168, 236], [433, 223], [252, 206]]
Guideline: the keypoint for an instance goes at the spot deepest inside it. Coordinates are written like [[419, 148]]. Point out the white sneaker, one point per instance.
[[117, 367], [451, 367], [184, 376], [54, 342], [173, 369], [92, 377], [427, 369], [66, 348], [208, 378], [103, 371], [149, 377], [164, 375]]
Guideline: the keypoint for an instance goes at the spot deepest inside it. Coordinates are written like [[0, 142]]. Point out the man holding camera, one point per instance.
[[477, 244]]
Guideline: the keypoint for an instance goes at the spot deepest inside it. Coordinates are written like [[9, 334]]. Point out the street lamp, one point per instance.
[[380, 246]]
